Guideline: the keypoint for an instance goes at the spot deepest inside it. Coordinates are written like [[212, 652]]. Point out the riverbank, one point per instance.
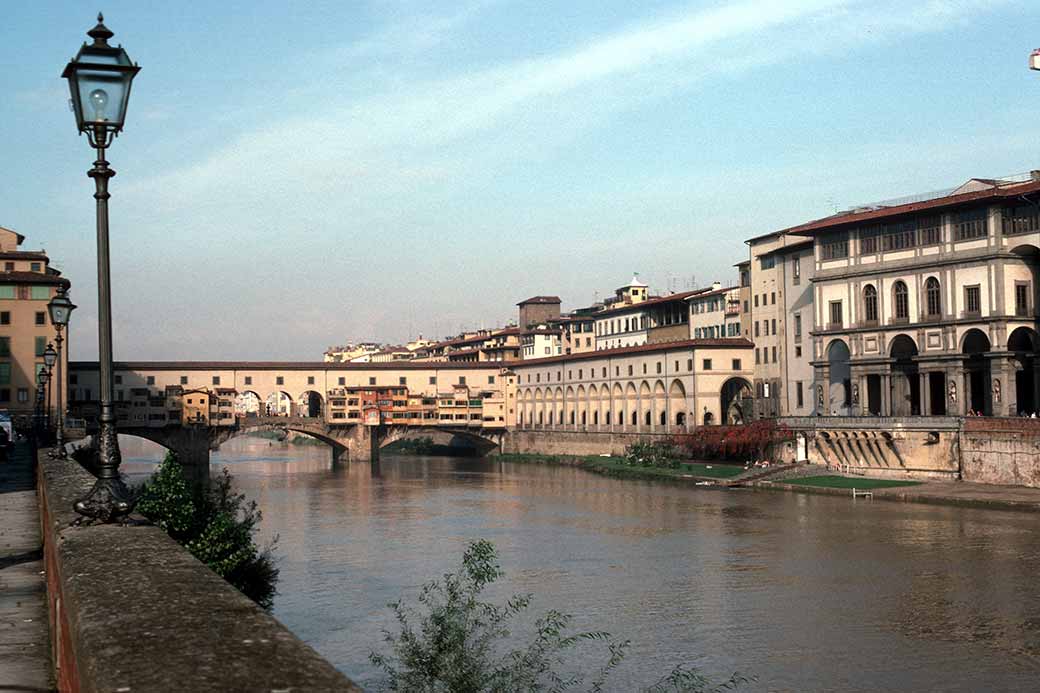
[[688, 472], [955, 493]]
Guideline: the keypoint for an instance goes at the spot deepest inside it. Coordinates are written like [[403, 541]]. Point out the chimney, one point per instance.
[[1034, 175], [715, 286]]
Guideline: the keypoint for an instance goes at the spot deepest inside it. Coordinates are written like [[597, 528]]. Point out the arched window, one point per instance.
[[870, 303], [902, 301], [934, 296]]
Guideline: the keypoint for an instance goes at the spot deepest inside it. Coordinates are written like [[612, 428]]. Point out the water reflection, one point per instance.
[[810, 593]]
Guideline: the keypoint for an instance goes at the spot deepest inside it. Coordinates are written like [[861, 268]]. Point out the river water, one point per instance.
[[806, 593]]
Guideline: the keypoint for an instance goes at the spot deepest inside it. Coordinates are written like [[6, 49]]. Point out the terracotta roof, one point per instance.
[[648, 302], [712, 292], [540, 299], [279, 366], [734, 343], [1001, 192], [32, 278], [24, 255]]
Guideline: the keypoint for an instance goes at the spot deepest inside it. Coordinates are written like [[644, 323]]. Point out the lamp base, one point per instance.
[[109, 501]]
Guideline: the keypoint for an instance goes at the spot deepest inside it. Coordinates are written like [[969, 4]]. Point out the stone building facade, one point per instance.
[[929, 307]]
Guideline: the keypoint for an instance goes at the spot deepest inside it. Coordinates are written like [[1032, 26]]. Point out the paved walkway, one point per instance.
[[962, 493], [25, 654]]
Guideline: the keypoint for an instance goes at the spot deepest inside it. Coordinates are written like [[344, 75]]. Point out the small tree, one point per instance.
[[454, 647], [216, 526]]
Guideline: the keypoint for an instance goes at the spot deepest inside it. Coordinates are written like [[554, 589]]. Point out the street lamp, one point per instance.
[[60, 309], [42, 379], [49, 356], [99, 81]]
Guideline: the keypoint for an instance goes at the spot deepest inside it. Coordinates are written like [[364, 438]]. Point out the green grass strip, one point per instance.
[[847, 482]]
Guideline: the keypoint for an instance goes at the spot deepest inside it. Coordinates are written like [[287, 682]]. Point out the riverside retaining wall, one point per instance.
[[132, 610], [573, 442]]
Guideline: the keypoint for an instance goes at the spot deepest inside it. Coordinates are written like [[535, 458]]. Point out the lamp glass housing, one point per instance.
[[50, 355], [99, 83], [60, 309]]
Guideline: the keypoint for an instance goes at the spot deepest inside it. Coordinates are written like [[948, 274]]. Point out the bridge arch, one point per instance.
[[735, 401], [278, 403], [677, 402], [311, 404], [248, 402]]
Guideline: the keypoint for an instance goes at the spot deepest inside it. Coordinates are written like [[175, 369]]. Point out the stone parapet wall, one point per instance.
[[574, 442], [1001, 451], [131, 610]]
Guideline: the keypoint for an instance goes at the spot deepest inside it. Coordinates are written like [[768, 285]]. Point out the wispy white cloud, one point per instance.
[[356, 170]]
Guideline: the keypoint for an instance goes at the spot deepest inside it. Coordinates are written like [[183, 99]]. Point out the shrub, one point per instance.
[[653, 454], [215, 525], [741, 443], [454, 648]]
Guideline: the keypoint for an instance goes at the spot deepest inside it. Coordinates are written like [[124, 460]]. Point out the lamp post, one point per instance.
[[60, 309], [99, 78], [42, 379], [49, 356]]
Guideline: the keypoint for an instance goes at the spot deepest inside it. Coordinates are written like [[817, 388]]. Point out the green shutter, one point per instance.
[[5, 374], [41, 345], [5, 347], [6, 291], [40, 293]]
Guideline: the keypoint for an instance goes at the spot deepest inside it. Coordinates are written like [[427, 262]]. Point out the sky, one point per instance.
[[297, 175]]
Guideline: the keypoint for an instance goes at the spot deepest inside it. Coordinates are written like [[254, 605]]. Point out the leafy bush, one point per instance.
[[741, 443], [454, 648], [653, 454], [215, 525]]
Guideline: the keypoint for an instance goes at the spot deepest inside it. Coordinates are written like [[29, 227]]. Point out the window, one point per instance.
[[6, 291], [969, 225], [756, 328], [630, 369], [773, 328], [736, 364], [41, 347], [1023, 219], [5, 317], [5, 374], [184, 380], [798, 351], [756, 355], [216, 380], [310, 379], [41, 318], [34, 267], [868, 240], [462, 380], [835, 249], [5, 394], [150, 380], [797, 325], [799, 396], [756, 300], [491, 380], [772, 300], [403, 380], [23, 394], [972, 300], [774, 354], [796, 269], [707, 364], [870, 304], [5, 346], [40, 293], [933, 297], [836, 316], [9, 267], [900, 236], [433, 379], [372, 380], [689, 365], [658, 366], [930, 230], [1021, 299], [768, 261], [902, 301]]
